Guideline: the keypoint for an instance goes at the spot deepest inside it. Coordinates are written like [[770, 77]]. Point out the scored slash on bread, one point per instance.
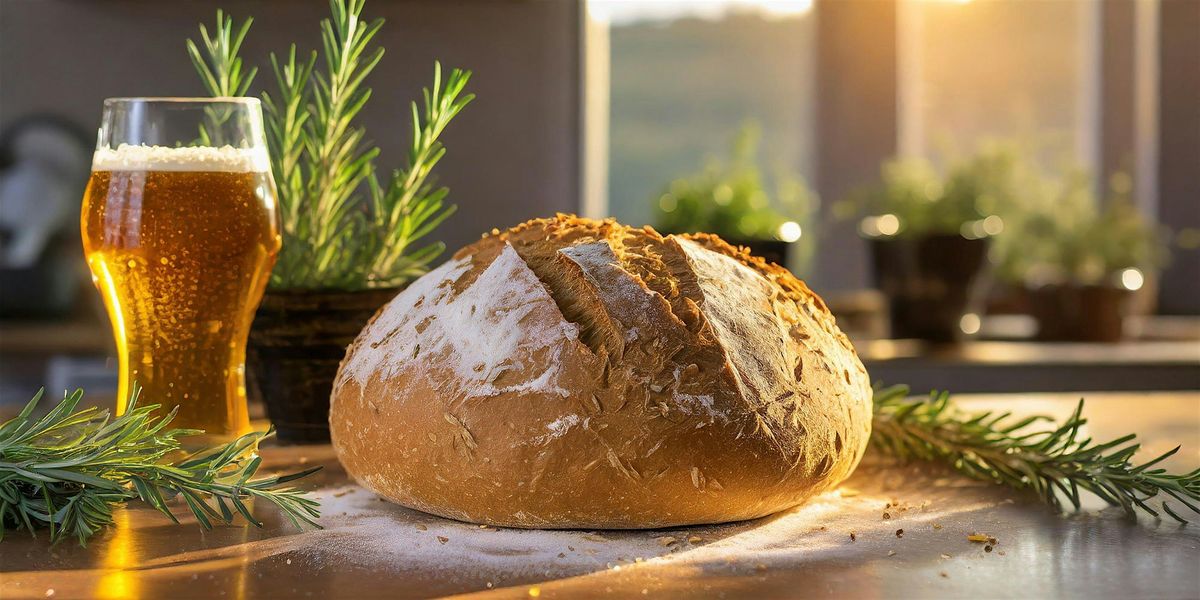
[[577, 373]]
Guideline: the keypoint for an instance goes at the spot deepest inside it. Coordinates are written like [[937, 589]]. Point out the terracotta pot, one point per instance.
[[296, 344], [1090, 313], [931, 282]]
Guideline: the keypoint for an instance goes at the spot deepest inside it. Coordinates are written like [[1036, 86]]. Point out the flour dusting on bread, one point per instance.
[[496, 324]]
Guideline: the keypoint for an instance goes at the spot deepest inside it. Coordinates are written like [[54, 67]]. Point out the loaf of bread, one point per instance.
[[571, 373]]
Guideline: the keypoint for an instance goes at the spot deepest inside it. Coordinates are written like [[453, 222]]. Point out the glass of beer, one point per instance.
[[180, 231]]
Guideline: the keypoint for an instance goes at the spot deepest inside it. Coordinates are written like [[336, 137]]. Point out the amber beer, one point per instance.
[[180, 242]]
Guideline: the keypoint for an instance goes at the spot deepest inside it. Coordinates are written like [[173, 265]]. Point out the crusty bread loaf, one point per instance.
[[576, 373]]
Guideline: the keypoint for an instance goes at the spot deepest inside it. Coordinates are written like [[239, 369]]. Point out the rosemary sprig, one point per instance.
[[335, 238], [221, 73], [1051, 461], [67, 470], [410, 208]]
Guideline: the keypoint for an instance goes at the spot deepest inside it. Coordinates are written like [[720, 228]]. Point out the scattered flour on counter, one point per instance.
[[363, 534], [364, 531]]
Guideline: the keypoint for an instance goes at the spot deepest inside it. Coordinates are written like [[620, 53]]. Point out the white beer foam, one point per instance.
[[225, 159]]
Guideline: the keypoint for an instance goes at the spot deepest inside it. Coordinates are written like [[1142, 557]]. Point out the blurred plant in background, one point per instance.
[[1074, 238], [930, 234], [734, 199], [912, 198], [1067, 256]]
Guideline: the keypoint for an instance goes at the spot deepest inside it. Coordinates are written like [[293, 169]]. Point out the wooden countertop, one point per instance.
[[371, 548]]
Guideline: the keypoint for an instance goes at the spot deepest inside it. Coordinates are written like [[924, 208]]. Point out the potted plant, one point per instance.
[[352, 238], [929, 236], [1081, 260], [731, 199]]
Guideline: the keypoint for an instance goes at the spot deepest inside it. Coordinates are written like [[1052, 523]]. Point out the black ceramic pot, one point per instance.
[[296, 344], [1078, 313], [931, 282]]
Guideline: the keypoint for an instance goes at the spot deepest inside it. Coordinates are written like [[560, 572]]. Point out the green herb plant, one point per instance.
[[345, 227], [1074, 238], [1055, 462], [994, 181], [734, 199], [66, 471]]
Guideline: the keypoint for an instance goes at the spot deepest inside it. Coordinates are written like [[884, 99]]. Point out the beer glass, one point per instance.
[[180, 231]]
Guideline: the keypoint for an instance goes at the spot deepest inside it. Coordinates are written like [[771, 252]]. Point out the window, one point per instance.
[[972, 70], [685, 77]]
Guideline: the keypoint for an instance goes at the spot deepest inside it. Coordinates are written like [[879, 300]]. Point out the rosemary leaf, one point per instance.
[[66, 471], [1053, 462]]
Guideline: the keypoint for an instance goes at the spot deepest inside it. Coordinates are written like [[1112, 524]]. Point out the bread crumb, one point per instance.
[[891, 552], [979, 538], [946, 556], [937, 525], [944, 574], [760, 567], [665, 540], [695, 539], [443, 539], [422, 527], [535, 591], [852, 536]]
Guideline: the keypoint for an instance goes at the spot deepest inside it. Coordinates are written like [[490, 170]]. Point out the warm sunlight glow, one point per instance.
[[993, 225], [790, 231], [970, 323], [887, 224], [1132, 279], [119, 561]]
